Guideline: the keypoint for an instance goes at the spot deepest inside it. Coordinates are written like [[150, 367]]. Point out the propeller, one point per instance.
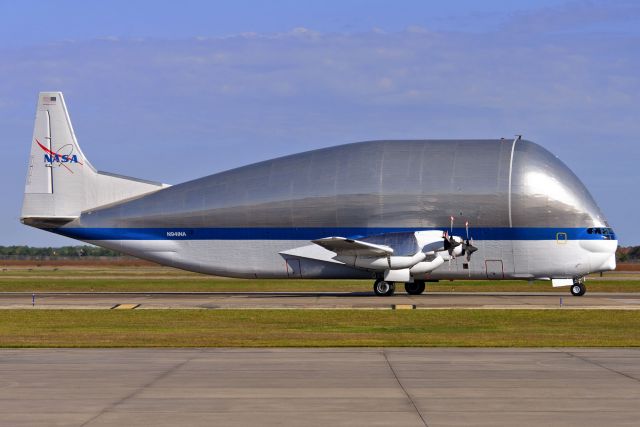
[[467, 246], [450, 243]]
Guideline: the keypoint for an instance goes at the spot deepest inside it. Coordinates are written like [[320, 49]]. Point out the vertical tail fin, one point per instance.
[[61, 182]]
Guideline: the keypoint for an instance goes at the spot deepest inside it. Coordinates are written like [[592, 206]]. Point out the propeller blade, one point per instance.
[[469, 249], [450, 244]]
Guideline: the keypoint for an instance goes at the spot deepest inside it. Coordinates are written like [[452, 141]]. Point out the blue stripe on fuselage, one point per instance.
[[310, 233]]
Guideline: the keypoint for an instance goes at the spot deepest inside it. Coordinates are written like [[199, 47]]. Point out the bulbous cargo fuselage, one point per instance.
[[527, 213]]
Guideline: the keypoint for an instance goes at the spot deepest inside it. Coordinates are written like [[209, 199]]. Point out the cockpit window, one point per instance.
[[606, 232]]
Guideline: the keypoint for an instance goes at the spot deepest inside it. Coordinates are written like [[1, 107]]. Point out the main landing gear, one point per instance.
[[414, 288], [578, 289], [383, 288]]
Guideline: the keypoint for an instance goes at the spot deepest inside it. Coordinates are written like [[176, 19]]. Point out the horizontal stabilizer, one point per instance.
[[47, 222]]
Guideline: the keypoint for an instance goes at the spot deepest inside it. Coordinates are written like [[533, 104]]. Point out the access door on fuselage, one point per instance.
[[293, 268], [495, 270]]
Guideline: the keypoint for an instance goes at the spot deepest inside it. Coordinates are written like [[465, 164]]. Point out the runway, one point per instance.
[[317, 300], [404, 387]]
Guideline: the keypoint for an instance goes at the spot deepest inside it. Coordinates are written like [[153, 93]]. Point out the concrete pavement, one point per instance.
[[315, 300], [404, 387]]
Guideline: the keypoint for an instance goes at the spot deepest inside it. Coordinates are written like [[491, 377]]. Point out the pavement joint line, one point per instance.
[[393, 371], [140, 389], [584, 359]]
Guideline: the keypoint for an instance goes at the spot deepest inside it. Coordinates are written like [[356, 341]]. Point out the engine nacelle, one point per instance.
[[427, 266], [382, 263], [431, 243]]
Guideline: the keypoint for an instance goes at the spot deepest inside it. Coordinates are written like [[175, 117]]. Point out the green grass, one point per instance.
[[107, 282], [319, 328], [156, 278]]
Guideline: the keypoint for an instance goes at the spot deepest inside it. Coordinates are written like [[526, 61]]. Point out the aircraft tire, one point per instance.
[[384, 289], [414, 288], [578, 289]]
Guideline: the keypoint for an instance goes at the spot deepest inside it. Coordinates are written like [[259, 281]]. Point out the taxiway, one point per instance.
[[317, 300]]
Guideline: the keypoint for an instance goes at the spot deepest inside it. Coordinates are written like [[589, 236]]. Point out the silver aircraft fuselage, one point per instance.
[[529, 216]]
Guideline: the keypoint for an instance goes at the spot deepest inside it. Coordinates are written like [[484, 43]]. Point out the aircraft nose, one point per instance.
[[609, 264], [602, 254]]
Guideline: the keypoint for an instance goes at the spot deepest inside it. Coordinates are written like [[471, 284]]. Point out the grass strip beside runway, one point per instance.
[[105, 283], [319, 328]]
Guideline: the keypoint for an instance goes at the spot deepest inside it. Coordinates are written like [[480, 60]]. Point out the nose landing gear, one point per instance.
[[578, 288]]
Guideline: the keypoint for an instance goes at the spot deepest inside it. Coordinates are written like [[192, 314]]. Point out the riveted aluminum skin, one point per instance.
[[545, 192], [415, 183]]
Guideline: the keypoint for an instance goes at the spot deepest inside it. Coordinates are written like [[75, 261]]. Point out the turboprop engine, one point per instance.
[[434, 247]]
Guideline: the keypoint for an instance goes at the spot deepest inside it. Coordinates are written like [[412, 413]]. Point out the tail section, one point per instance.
[[61, 182]]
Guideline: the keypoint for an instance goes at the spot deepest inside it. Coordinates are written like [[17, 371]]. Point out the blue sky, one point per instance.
[[172, 92]]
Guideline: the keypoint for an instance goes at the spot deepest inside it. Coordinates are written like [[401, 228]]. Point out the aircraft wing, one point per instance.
[[344, 246]]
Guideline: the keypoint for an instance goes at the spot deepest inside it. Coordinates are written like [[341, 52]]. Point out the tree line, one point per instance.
[[64, 251], [628, 254]]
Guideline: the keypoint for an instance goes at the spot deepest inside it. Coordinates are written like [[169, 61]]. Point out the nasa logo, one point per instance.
[[52, 157]]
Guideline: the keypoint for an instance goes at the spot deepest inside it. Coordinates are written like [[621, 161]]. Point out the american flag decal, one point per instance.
[[48, 100]]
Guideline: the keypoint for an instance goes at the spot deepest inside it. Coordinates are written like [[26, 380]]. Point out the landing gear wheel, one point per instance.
[[578, 289], [384, 289], [414, 288]]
